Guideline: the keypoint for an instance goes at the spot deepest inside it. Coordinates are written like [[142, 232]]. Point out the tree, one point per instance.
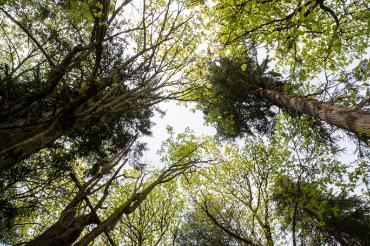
[[311, 44], [92, 64], [308, 36], [338, 219], [104, 198], [243, 92], [155, 220], [197, 229], [80, 80], [241, 193]]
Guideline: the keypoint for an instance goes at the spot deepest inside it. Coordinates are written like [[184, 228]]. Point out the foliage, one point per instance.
[[242, 195], [80, 80], [305, 37], [108, 73], [116, 198], [330, 218], [231, 100], [311, 45]]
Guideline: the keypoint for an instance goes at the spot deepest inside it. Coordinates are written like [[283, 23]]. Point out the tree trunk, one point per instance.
[[63, 234], [69, 226], [14, 133], [352, 120], [29, 144]]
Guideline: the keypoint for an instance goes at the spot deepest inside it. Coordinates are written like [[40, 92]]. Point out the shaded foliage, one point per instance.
[[232, 96], [323, 218], [198, 230]]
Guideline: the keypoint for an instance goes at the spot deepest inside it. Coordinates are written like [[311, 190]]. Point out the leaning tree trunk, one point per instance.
[[63, 233], [352, 120], [28, 142], [69, 226]]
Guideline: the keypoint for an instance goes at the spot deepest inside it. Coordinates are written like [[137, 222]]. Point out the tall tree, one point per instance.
[[243, 92], [276, 191], [103, 199], [311, 43], [94, 62]]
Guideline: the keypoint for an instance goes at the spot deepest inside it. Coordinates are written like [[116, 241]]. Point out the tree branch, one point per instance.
[[30, 36]]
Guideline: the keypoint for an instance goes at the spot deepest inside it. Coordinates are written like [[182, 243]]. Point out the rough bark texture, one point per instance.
[[64, 232], [14, 133], [17, 152], [352, 120]]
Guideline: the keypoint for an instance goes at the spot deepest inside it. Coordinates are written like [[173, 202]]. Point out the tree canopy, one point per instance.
[[284, 83]]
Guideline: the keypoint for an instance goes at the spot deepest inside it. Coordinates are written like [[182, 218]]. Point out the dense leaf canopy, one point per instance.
[[285, 84]]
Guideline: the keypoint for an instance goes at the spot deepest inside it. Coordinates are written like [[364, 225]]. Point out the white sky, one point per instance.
[[179, 117]]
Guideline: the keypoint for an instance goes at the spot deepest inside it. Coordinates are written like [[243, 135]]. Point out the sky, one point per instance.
[[179, 117]]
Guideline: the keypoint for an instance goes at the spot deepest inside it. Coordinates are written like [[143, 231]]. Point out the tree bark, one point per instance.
[[61, 234], [69, 226], [349, 119], [21, 150]]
